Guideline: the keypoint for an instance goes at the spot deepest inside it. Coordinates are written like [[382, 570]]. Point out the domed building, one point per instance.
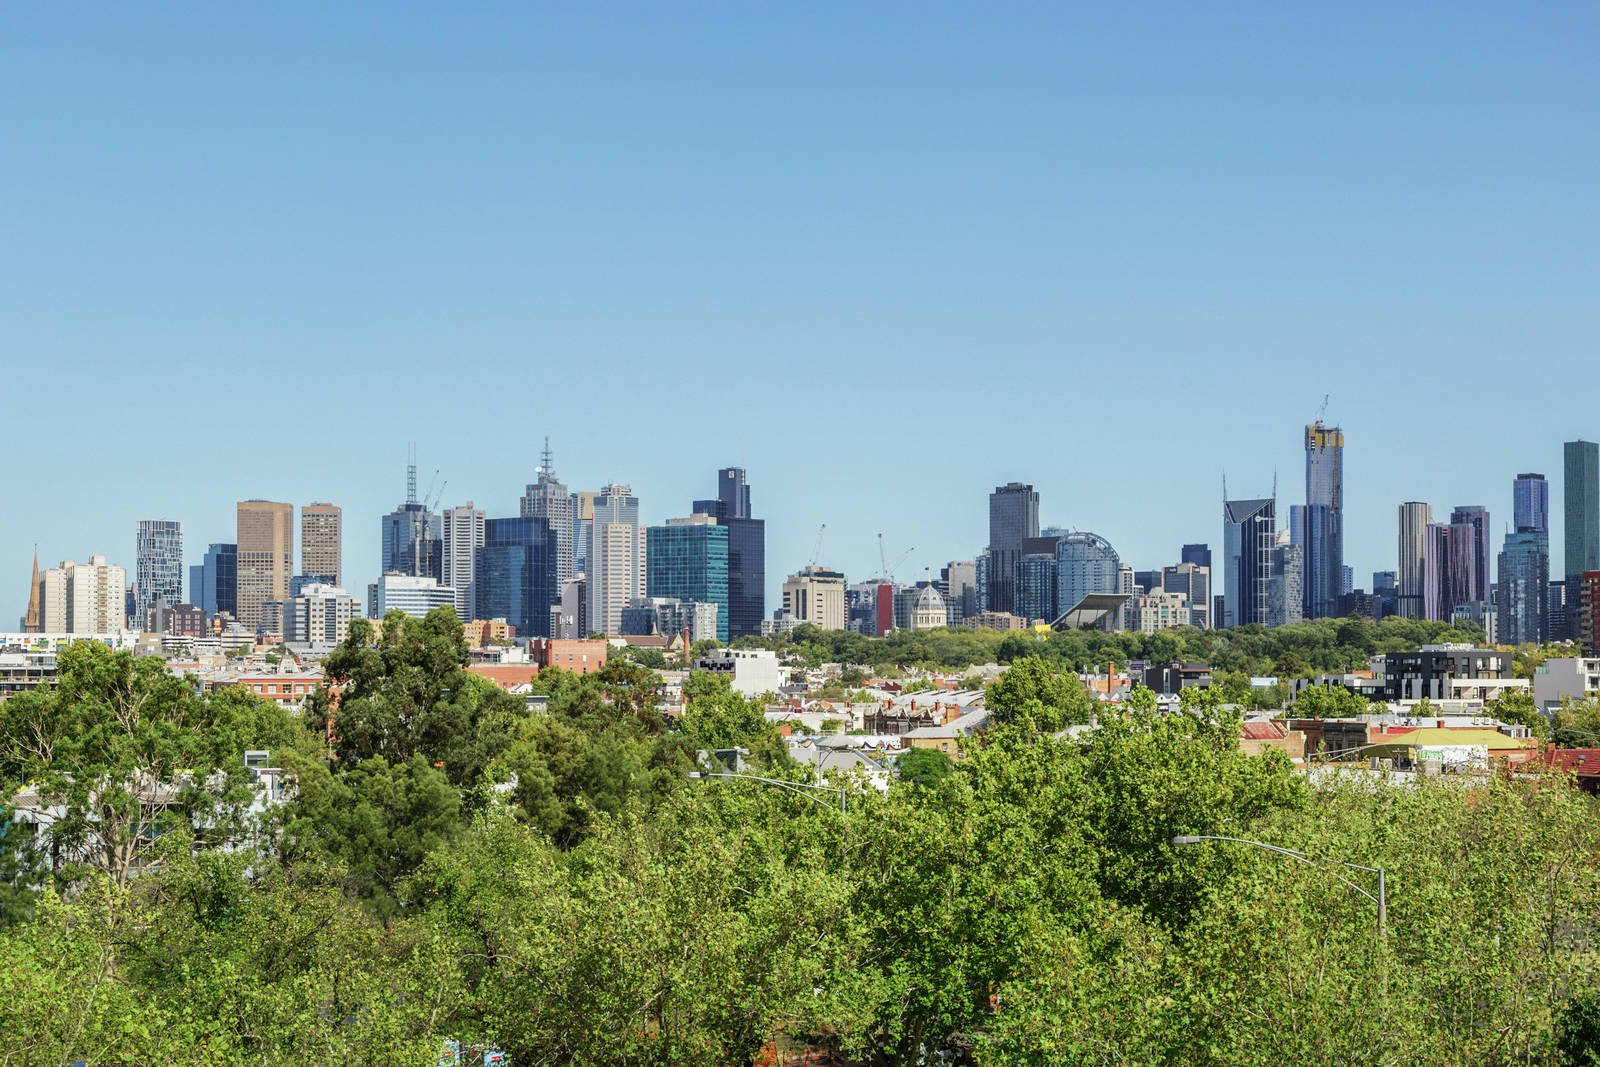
[[929, 612]]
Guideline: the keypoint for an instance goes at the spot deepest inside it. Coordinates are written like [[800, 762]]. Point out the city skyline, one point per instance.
[[1202, 204], [361, 535]]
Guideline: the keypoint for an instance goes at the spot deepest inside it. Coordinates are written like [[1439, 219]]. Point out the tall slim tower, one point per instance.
[[1013, 517], [158, 567], [616, 557], [747, 551], [321, 542], [548, 499], [1249, 539], [265, 557], [1324, 521], [463, 536], [1580, 489], [1415, 517]]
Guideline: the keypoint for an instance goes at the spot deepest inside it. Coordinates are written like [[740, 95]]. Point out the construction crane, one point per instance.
[[433, 502], [1323, 410], [816, 552], [883, 558]]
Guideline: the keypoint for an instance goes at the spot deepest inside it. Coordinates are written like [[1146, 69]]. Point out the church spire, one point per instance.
[[31, 621]]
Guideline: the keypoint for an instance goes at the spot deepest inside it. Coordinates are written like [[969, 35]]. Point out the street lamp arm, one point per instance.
[[1292, 854]]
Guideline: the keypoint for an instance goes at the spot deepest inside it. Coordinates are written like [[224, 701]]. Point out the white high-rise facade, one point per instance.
[[83, 598], [616, 573], [320, 615], [412, 595], [463, 536]]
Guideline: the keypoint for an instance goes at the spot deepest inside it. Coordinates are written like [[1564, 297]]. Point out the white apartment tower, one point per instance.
[[83, 598]]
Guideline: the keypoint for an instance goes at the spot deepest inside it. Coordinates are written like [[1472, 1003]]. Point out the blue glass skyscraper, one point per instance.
[[516, 574], [689, 560], [747, 551]]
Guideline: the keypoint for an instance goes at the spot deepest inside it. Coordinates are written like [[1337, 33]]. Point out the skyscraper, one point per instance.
[[1249, 535], [1528, 549], [1415, 517], [214, 582], [688, 560], [1036, 579], [413, 536], [1580, 490], [1199, 555], [616, 557], [157, 568], [1285, 595], [1530, 506], [1470, 538], [83, 598], [1085, 563], [1323, 535], [548, 499], [265, 558], [462, 532], [1013, 516], [322, 543], [1523, 589], [515, 574], [747, 551]]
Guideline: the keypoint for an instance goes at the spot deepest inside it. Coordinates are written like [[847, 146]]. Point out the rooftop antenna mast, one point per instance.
[[411, 474], [546, 462]]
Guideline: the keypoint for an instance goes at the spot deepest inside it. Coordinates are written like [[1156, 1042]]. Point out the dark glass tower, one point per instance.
[[1249, 534], [747, 551], [516, 574], [1580, 490], [1013, 517]]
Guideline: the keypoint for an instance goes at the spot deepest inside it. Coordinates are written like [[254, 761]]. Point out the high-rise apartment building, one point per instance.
[[1323, 533], [1013, 516], [816, 596], [548, 499], [1473, 541], [265, 540], [461, 535], [1530, 506], [1523, 589], [157, 568], [688, 560], [1285, 594], [1580, 490], [319, 615], [322, 543], [1249, 536], [83, 598], [1415, 518]]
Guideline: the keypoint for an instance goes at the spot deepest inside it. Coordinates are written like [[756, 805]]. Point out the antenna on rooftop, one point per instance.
[[546, 463], [411, 474]]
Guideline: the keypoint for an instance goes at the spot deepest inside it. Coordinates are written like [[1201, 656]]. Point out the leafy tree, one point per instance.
[[1031, 692], [119, 751], [925, 767], [1327, 702], [1516, 706], [404, 692]]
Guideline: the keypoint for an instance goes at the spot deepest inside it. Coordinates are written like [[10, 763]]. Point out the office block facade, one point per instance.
[[1580, 490], [461, 535], [689, 560], [1415, 518], [514, 575], [1085, 563], [322, 543], [816, 596], [1249, 536], [265, 540], [1013, 516]]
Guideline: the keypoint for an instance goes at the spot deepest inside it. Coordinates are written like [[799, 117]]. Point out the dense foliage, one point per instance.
[[1287, 651], [553, 884]]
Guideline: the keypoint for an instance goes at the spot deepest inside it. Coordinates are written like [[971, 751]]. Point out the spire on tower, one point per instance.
[[546, 461], [31, 623]]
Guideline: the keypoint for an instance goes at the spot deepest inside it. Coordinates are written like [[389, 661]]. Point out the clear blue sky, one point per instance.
[[883, 255]]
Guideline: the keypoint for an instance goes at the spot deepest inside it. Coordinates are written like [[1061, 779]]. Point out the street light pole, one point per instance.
[[1381, 900], [805, 790]]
